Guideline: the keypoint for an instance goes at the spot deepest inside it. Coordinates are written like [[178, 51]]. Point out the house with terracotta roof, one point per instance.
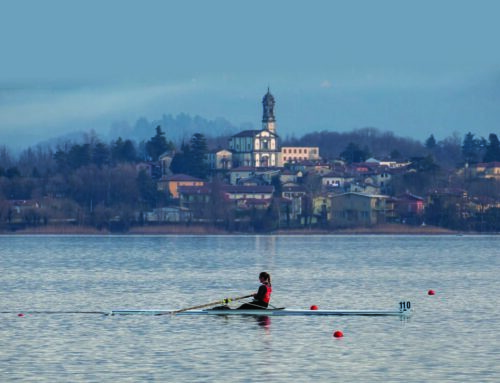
[[174, 182], [200, 199]]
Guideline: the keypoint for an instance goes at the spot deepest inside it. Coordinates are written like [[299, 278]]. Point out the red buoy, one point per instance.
[[314, 307], [431, 292], [20, 315], [338, 334]]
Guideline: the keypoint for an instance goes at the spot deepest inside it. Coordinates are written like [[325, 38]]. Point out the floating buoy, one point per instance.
[[338, 334], [20, 315], [431, 292], [314, 307]]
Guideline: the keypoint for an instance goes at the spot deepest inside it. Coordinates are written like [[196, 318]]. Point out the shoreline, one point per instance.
[[387, 229]]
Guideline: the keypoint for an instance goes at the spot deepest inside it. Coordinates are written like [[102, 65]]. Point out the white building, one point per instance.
[[258, 148]]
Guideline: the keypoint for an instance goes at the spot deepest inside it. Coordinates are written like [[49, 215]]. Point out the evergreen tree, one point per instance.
[[100, 154], [158, 145], [470, 148], [123, 151], [180, 163], [61, 159], [353, 153], [148, 191], [197, 161], [430, 143], [79, 155], [492, 149]]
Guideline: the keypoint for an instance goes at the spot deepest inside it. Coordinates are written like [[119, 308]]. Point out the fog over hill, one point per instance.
[[332, 65]]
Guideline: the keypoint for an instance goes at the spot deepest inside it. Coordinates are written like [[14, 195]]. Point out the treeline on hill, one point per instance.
[[371, 142], [90, 183]]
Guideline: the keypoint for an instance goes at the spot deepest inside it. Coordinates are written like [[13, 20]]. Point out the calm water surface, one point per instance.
[[453, 336]]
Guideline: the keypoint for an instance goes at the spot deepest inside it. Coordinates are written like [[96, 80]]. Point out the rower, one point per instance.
[[262, 298]]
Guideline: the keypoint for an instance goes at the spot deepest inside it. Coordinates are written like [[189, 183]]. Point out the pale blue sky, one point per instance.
[[414, 68]]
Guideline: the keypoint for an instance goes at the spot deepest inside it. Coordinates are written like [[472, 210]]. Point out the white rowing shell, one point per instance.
[[267, 312]]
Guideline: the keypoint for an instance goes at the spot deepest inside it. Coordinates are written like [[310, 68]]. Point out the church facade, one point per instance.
[[258, 148]]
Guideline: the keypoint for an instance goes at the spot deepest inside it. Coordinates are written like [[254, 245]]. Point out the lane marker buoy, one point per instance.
[[338, 334], [431, 292], [314, 307], [20, 315]]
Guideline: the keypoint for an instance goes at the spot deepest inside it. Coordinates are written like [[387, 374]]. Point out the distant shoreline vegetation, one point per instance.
[[95, 186], [386, 229]]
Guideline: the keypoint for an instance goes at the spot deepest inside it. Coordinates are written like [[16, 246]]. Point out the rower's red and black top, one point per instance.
[[262, 298]]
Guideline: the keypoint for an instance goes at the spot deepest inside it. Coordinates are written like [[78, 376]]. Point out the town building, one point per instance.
[[486, 170], [220, 159], [174, 182], [291, 154], [356, 209], [258, 148]]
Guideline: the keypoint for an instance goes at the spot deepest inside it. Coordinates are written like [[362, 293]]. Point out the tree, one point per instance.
[[158, 144], [353, 153], [61, 159], [123, 151], [492, 149], [181, 162], [470, 148], [101, 154], [148, 192], [430, 143], [79, 155], [12, 172], [395, 155], [198, 165]]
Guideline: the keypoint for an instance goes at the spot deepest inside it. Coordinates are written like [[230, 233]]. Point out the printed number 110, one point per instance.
[[404, 305]]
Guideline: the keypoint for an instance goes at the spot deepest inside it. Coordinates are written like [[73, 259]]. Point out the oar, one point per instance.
[[222, 302]]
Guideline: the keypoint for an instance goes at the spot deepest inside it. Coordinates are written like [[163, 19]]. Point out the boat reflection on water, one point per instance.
[[264, 321]]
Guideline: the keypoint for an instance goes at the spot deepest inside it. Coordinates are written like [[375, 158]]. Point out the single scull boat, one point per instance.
[[403, 310]]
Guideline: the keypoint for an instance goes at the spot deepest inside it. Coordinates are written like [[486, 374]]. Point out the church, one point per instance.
[[258, 148]]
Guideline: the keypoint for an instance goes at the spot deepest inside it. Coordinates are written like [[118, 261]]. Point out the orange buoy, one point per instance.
[[314, 307], [338, 334], [431, 292]]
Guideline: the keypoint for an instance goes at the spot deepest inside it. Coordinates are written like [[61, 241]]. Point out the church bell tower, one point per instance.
[[268, 119]]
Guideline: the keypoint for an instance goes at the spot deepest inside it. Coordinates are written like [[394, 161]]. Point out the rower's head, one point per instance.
[[265, 277]]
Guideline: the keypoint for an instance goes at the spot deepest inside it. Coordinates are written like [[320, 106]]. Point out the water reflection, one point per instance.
[[264, 321]]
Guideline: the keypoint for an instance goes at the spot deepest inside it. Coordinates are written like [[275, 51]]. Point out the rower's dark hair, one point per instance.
[[266, 277]]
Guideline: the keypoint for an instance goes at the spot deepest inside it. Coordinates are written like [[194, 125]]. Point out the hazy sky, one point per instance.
[[412, 67]]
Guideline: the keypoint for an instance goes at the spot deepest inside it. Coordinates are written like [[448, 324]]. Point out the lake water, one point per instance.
[[453, 336]]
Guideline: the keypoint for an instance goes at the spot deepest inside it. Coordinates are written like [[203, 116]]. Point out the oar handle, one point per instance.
[[223, 302]]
